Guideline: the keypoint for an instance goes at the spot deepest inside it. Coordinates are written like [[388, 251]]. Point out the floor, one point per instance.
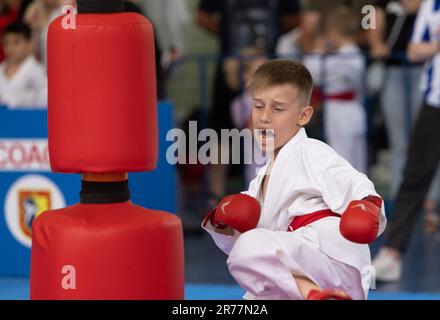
[[207, 276]]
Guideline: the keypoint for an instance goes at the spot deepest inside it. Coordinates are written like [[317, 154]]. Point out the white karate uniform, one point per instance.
[[345, 121], [27, 88], [307, 176]]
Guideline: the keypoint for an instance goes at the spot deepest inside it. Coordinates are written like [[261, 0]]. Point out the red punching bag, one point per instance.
[[103, 123]]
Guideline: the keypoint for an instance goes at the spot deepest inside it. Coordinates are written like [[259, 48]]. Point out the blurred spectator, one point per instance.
[[241, 107], [22, 77], [303, 39], [38, 15], [239, 24], [8, 14], [169, 18], [423, 155], [23, 7], [339, 73], [133, 6], [400, 96]]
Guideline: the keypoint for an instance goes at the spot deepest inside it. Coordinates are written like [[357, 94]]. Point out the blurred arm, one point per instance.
[[208, 22], [376, 36], [421, 52]]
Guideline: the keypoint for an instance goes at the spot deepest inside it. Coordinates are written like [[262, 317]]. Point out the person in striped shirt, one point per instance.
[[424, 150]]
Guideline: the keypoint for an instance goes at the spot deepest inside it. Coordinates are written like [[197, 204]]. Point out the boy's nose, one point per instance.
[[265, 116]]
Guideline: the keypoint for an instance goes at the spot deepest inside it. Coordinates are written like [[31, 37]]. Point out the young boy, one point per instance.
[[22, 77], [302, 228], [340, 75]]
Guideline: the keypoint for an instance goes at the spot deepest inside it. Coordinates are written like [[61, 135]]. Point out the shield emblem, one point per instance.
[[32, 203]]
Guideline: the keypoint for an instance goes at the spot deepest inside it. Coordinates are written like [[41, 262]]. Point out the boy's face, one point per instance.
[[277, 115], [16, 47], [332, 39]]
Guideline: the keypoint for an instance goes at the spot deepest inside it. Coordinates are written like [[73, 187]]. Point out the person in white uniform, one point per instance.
[[339, 73], [301, 230], [22, 78]]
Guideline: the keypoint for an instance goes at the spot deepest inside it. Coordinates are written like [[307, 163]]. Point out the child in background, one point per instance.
[[22, 77], [339, 74]]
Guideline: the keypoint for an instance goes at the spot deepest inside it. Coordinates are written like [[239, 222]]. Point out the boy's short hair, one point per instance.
[[281, 72], [342, 19], [18, 27]]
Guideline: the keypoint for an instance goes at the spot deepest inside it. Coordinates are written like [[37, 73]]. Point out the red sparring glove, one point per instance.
[[360, 221], [239, 211]]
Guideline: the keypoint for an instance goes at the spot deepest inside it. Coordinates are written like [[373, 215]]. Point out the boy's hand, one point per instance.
[[238, 211], [360, 221]]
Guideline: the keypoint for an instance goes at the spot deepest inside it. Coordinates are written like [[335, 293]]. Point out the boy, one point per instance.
[[311, 200], [340, 75], [22, 77]]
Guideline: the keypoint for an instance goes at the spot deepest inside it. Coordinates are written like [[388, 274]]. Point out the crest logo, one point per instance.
[[30, 204], [26, 199]]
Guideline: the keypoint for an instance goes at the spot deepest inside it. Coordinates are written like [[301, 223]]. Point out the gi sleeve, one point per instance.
[[223, 241], [338, 182]]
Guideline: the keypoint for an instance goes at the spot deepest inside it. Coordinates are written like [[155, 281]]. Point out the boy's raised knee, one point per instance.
[[251, 244]]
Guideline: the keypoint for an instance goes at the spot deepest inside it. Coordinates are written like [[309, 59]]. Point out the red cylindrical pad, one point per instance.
[[102, 94], [111, 251]]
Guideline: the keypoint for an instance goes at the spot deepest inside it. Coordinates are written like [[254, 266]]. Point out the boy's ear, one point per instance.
[[306, 115]]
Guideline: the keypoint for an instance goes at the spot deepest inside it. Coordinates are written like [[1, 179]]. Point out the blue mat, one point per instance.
[[221, 292], [18, 289]]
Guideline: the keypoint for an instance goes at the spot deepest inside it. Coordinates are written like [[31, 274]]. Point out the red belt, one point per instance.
[[304, 220], [349, 95]]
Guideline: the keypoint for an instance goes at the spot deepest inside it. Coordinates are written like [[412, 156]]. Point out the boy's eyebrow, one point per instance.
[[275, 101], [280, 102]]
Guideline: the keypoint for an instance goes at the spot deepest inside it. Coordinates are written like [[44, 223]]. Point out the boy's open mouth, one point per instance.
[[265, 133]]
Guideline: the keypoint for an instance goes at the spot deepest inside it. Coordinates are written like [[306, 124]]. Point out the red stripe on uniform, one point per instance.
[[304, 220]]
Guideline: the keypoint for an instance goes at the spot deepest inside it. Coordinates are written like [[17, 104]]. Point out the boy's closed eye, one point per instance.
[[278, 108]]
